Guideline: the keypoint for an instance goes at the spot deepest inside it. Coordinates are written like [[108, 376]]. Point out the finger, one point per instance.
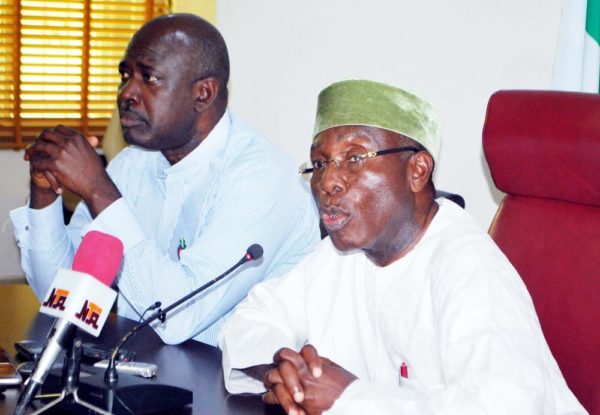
[[285, 399], [291, 356], [270, 398], [93, 141], [272, 377], [53, 183], [39, 179], [277, 356], [40, 164], [290, 377], [26, 155], [297, 360], [42, 149], [312, 359], [76, 136], [53, 135], [285, 374], [66, 131]]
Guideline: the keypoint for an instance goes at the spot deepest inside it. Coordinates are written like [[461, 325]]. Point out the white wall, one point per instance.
[[454, 52], [14, 190]]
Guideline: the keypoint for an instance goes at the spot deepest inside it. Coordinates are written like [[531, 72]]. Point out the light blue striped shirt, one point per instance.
[[233, 190]]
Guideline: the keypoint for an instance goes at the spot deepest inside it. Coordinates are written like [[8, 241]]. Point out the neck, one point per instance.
[[203, 128], [406, 239], [177, 154]]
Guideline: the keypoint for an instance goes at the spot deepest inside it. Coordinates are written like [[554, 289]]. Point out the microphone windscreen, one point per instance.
[[255, 251], [99, 255]]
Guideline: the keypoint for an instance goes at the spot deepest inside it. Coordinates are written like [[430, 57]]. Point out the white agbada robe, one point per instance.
[[453, 309]]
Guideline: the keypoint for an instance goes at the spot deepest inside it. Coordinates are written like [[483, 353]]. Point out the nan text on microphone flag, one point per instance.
[[83, 296]]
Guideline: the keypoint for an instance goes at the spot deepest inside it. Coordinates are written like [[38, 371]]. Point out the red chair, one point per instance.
[[543, 149]]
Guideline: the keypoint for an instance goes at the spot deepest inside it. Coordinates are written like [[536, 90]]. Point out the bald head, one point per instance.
[[201, 42], [173, 87]]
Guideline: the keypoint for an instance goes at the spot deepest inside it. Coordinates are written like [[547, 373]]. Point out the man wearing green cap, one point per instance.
[[408, 307]]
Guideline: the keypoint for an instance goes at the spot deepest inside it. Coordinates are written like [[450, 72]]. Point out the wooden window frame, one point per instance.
[[16, 132]]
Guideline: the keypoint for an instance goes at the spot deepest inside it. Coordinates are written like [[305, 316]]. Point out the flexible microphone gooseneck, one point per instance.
[[253, 253]]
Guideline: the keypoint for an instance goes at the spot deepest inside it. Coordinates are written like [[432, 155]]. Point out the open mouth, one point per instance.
[[334, 219]]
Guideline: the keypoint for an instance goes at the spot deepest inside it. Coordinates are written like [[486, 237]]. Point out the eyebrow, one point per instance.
[[146, 66], [143, 67], [346, 137]]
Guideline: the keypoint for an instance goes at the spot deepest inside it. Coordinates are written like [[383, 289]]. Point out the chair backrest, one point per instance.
[[455, 197], [543, 150]]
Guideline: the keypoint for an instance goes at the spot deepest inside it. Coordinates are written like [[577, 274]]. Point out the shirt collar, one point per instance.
[[206, 151]]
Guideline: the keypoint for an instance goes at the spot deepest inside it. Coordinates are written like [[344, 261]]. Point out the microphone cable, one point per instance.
[[253, 253], [150, 308]]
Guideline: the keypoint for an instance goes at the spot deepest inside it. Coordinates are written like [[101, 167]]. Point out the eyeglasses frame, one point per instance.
[[367, 155]]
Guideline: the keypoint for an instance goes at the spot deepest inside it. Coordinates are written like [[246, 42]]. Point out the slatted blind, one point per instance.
[[58, 62]]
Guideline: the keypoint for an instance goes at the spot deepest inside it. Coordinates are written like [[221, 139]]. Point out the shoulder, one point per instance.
[[247, 148], [460, 253], [252, 160], [129, 168], [129, 156], [456, 241], [454, 234]]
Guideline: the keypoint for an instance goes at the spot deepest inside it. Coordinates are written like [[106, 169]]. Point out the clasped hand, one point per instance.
[[57, 157], [61, 158], [304, 382]]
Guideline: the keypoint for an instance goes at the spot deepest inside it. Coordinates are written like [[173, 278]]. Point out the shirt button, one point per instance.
[[27, 227]]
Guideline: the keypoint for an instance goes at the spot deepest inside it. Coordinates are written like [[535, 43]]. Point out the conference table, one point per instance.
[[191, 365]]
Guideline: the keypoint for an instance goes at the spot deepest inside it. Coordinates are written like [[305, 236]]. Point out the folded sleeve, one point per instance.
[[44, 243], [272, 317]]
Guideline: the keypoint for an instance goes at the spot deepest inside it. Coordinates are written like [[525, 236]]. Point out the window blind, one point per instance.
[[58, 62]]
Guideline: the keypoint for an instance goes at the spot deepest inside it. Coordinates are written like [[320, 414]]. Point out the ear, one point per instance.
[[205, 92], [420, 167]]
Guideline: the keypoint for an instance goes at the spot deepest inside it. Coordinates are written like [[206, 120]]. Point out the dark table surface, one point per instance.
[[191, 365]]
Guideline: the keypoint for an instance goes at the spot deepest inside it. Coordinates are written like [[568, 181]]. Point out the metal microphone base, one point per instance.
[[72, 397], [70, 379]]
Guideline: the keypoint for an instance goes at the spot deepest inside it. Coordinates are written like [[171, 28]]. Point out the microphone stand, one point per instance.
[[110, 376], [71, 381], [65, 333]]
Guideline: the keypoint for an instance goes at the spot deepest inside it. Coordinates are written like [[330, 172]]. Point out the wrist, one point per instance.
[[102, 198], [258, 372], [41, 197]]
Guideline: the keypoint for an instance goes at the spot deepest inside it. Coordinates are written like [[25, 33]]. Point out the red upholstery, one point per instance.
[[543, 149]]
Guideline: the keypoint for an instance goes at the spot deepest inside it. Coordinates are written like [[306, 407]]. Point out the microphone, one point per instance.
[[253, 253], [80, 297]]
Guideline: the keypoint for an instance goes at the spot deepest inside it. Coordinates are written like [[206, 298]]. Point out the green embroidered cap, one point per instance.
[[374, 104]]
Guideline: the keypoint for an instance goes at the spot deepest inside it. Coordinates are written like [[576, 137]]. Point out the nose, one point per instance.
[[331, 182], [129, 93]]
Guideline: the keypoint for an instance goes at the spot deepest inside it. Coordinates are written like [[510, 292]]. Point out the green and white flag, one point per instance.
[[577, 60]]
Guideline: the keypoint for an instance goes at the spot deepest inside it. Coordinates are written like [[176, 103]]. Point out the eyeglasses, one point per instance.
[[352, 163]]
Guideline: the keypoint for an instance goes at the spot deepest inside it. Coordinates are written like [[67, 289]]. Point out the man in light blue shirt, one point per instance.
[[192, 192]]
